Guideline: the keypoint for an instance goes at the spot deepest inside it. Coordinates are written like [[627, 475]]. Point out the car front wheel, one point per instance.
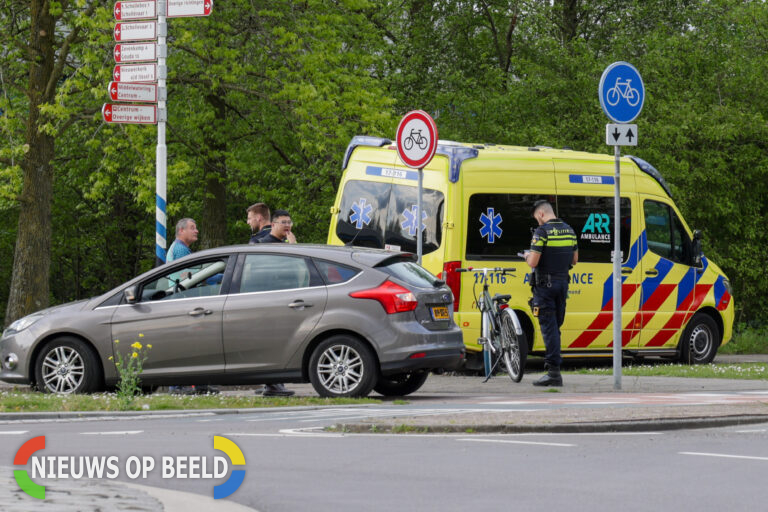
[[342, 366], [67, 365]]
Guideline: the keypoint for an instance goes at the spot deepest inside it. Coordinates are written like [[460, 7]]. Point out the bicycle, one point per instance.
[[415, 138], [622, 90], [501, 333]]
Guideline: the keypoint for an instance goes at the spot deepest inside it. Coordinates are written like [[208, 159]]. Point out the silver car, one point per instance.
[[346, 319]]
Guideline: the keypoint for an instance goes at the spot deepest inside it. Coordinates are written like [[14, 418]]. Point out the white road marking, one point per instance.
[[510, 441], [723, 455], [13, 432], [114, 433], [756, 431]]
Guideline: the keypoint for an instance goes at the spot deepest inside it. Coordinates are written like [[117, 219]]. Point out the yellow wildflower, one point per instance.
[[117, 341], [136, 345], [141, 335], [149, 346], [135, 354], [110, 358]]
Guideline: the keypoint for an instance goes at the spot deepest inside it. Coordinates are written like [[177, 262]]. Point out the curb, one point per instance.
[[122, 415], [558, 428]]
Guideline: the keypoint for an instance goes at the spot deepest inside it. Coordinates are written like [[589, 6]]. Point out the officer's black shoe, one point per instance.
[[552, 378]]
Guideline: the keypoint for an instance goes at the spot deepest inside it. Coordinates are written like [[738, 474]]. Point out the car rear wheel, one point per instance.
[[342, 366], [402, 384], [67, 365], [700, 339]]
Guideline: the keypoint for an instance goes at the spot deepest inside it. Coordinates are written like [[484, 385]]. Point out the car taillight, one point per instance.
[[393, 297], [453, 280]]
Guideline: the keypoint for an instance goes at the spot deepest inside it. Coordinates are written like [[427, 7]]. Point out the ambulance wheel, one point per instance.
[[700, 340]]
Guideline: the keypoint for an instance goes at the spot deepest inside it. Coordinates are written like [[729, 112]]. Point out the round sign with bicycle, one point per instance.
[[622, 92], [416, 139]]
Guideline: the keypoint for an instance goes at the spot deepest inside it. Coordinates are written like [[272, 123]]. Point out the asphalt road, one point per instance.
[[291, 466]]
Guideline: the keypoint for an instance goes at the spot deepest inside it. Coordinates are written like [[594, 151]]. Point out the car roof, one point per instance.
[[364, 255]]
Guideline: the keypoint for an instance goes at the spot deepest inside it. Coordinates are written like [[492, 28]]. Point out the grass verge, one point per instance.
[[747, 341], [749, 371], [17, 401]]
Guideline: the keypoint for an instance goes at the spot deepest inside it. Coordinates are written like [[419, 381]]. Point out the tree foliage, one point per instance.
[[265, 96]]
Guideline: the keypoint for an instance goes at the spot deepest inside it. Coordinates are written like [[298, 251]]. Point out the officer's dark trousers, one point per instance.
[[551, 304]]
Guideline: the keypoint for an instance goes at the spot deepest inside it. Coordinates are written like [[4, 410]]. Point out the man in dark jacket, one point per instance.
[[554, 251]]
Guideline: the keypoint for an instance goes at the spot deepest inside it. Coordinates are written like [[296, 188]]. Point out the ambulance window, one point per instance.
[[592, 218], [374, 214], [499, 225], [665, 233], [658, 228]]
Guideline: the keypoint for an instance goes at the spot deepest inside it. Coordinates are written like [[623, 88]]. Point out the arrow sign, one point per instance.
[[184, 8], [621, 134], [130, 114], [135, 10], [137, 31], [121, 91], [137, 52], [135, 73]]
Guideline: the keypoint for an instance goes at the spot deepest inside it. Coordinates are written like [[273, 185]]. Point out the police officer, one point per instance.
[[553, 252]]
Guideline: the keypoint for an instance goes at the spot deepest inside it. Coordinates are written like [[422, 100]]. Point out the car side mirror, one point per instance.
[[696, 248], [130, 294]]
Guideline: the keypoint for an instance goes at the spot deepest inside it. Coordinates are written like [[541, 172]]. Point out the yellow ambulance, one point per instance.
[[477, 213]]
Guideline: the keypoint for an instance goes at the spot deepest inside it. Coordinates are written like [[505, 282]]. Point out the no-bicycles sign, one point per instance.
[[416, 139]]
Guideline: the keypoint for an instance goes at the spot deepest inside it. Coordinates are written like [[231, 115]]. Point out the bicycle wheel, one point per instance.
[[633, 97], [408, 143], [613, 96], [514, 348]]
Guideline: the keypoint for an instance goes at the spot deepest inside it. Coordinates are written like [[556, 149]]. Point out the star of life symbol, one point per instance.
[[361, 213], [491, 225], [410, 220]]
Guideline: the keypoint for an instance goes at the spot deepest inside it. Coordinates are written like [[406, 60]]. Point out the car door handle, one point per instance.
[[199, 311], [653, 272], [626, 270], [300, 304]]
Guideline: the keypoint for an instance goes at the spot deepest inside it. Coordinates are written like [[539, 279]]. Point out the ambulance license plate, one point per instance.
[[440, 313]]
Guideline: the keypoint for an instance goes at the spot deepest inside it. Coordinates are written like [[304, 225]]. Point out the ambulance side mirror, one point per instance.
[[696, 248]]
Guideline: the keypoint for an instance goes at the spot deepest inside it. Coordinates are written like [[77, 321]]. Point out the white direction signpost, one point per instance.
[[622, 95], [136, 31], [135, 73], [416, 145], [184, 8], [135, 52], [135, 10], [153, 48], [130, 114], [119, 91]]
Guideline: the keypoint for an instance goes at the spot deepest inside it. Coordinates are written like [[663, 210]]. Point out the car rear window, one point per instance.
[[410, 272]]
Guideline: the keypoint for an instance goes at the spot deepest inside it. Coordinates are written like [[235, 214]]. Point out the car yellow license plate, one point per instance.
[[440, 313]]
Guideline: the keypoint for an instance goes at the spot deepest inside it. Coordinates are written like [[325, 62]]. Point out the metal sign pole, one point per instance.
[[418, 215], [161, 153], [617, 258]]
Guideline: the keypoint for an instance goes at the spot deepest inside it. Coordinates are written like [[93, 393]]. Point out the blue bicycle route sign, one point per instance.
[[621, 92]]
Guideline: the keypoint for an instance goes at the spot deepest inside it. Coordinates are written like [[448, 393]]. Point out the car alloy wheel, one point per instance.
[[66, 365], [342, 366]]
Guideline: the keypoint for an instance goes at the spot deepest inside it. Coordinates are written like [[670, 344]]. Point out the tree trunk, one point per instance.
[[29, 289], [213, 224]]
